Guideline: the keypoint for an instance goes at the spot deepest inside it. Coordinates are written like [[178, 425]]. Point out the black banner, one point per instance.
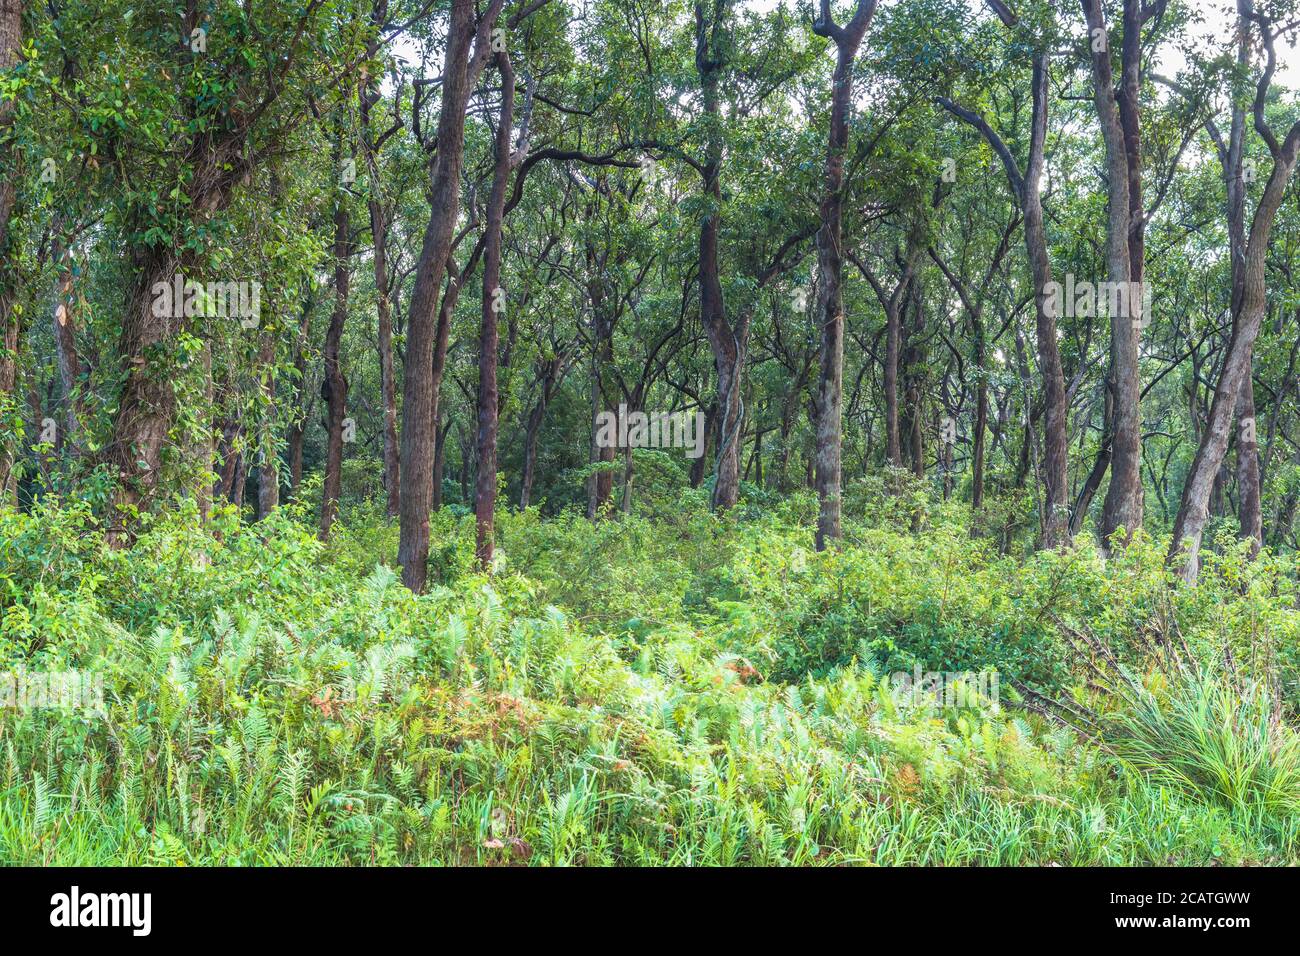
[[341, 906]]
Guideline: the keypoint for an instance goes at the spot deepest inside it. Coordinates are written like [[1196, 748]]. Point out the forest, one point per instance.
[[649, 432]]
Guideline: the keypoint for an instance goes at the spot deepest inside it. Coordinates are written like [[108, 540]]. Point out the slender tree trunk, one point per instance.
[[893, 349], [11, 23], [1193, 512], [302, 396], [203, 448], [600, 486], [1026, 187], [550, 373], [981, 425], [65, 347], [334, 387], [1056, 509], [379, 226], [439, 462], [1248, 490], [485, 492], [726, 343], [268, 471], [531, 429], [830, 261]]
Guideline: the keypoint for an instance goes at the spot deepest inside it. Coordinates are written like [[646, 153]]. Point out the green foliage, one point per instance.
[[1206, 734], [671, 690]]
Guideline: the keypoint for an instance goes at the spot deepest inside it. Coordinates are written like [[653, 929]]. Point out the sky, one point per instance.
[[1218, 19]]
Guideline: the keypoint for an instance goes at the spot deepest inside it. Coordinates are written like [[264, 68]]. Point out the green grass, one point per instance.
[[670, 689]]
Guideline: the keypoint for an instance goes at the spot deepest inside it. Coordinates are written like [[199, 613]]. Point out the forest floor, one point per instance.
[[661, 688]]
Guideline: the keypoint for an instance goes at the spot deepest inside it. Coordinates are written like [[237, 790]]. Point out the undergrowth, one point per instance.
[[674, 688]]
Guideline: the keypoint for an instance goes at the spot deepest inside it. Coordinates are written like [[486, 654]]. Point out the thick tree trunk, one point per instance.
[[147, 402], [1123, 505], [418, 412]]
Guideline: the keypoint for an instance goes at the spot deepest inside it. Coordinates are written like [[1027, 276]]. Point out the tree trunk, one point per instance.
[[600, 486], [65, 347], [439, 462], [550, 373], [418, 413], [726, 343], [334, 387], [893, 349], [485, 491], [268, 471], [11, 24], [147, 402], [830, 262], [1026, 188], [1248, 483], [1193, 511], [379, 225], [1123, 506]]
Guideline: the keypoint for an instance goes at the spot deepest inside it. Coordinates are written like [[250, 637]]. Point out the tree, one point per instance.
[[830, 264], [1248, 313], [468, 50]]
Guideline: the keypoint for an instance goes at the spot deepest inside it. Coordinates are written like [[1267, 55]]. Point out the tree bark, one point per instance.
[[727, 344], [600, 486], [1123, 505], [268, 471], [830, 261], [485, 491], [467, 52], [334, 386], [379, 227], [551, 368], [1193, 511], [66, 353], [1248, 484]]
